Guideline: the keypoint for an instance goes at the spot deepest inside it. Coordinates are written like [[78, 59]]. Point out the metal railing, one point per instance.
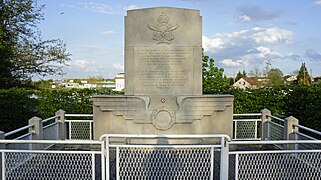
[[275, 128], [246, 126], [124, 156], [80, 129], [166, 156], [19, 130], [267, 162], [61, 162]]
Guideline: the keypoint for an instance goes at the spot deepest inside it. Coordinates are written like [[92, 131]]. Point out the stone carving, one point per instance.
[[163, 30], [196, 107], [131, 108], [163, 117]]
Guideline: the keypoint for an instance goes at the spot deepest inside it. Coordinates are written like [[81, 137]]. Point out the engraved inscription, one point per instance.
[[163, 30], [163, 68]]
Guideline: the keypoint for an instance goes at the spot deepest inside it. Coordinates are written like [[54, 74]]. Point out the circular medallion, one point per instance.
[[163, 100], [163, 117]]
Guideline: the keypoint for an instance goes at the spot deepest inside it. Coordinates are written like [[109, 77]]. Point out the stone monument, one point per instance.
[[163, 80]]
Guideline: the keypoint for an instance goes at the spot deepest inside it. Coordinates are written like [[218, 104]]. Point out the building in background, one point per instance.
[[120, 82]]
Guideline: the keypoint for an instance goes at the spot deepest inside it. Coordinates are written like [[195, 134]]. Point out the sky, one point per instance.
[[238, 34]]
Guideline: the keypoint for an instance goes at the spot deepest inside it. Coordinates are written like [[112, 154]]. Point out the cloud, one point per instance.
[[247, 39], [294, 57], [118, 66], [231, 62], [244, 18], [256, 13], [130, 7], [109, 33], [317, 3], [91, 6], [313, 55], [98, 7], [247, 47], [82, 65], [273, 35]]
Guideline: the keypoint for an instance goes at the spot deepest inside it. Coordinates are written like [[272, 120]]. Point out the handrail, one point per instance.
[[174, 136], [50, 142], [79, 120], [276, 142], [307, 129], [248, 114], [25, 135], [48, 119], [276, 124], [306, 136], [49, 125], [274, 117], [20, 129], [79, 115], [247, 120]]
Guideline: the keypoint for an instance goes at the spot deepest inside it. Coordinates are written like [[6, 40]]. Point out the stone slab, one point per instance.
[[163, 52]]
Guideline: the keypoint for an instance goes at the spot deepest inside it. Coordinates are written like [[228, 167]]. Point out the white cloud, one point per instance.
[[232, 63], [317, 3], [109, 33], [272, 35], [214, 43], [82, 65], [130, 7], [118, 66], [240, 42], [91, 6], [247, 47], [97, 7], [244, 18], [256, 13], [265, 52]]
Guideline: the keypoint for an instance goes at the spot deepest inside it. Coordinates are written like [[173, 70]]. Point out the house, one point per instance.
[[246, 82], [120, 82]]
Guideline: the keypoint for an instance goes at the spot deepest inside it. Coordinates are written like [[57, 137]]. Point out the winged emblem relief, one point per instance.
[[163, 30]]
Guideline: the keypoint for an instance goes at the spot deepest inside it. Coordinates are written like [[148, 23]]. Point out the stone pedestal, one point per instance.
[[208, 114]]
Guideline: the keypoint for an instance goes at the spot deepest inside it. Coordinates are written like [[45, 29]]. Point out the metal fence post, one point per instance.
[[224, 167], [62, 124], [290, 130], [2, 146], [36, 130], [265, 128]]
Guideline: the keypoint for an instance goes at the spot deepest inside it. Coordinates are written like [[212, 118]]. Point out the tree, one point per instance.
[[23, 52], [275, 77], [303, 76], [213, 79], [240, 75]]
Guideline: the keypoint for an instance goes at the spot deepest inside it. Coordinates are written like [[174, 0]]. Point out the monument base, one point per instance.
[[205, 114]]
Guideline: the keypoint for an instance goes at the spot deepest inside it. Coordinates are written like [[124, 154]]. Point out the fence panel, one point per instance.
[[80, 129], [246, 126], [51, 131], [276, 131], [44, 165], [246, 129], [278, 165], [164, 163], [145, 160]]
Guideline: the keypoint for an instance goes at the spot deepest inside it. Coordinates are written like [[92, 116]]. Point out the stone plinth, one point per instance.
[[208, 114]]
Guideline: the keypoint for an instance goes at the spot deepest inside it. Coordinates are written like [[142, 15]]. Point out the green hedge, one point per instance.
[[19, 105], [16, 107]]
